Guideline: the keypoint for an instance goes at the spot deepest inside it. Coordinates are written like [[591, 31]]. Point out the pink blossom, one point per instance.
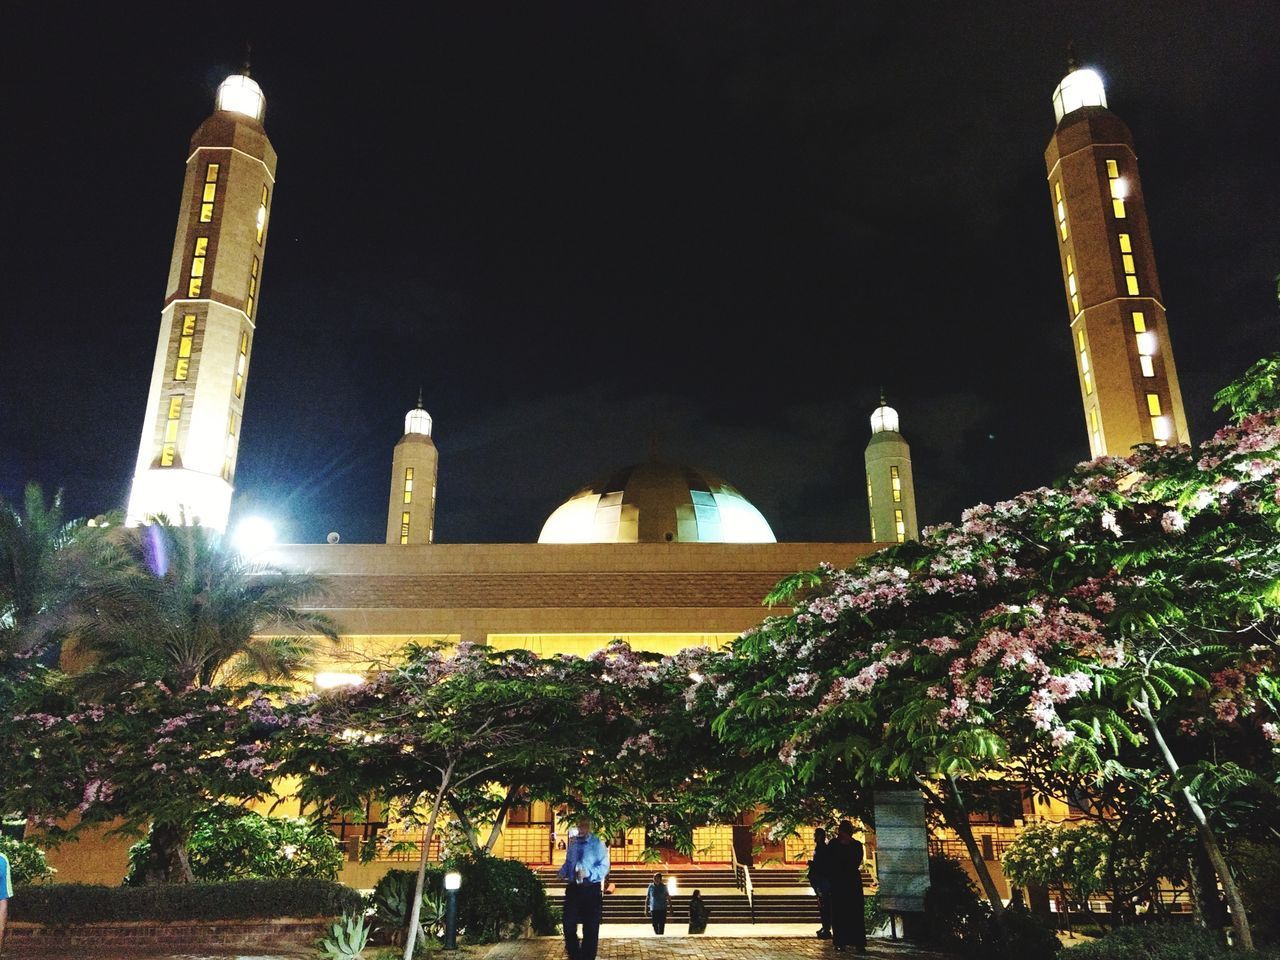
[[1272, 732], [1226, 710], [1173, 522], [941, 645], [1109, 522], [1061, 736]]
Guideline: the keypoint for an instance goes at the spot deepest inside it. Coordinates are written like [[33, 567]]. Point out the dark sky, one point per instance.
[[576, 225]]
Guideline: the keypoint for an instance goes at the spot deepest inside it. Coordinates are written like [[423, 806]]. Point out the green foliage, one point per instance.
[[1161, 941], [347, 938], [392, 902], [234, 845], [1259, 864], [62, 904], [1065, 857], [1258, 390], [958, 921], [27, 862], [873, 917], [498, 898]]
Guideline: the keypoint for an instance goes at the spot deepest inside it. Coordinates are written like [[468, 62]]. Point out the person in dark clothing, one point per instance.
[[655, 904], [698, 913], [818, 880], [843, 869]]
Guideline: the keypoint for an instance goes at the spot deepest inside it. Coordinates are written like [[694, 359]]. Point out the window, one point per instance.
[[1119, 189], [1086, 375], [182, 364], [1160, 429], [242, 363], [1073, 291], [1061, 206], [253, 287], [404, 527], [871, 500], [1139, 322], [210, 192], [229, 460], [1095, 431], [262, 213], [1126, 260], [1153, 404], [196, 278], [1146, 350], [408, 484], [172, 420], [900, 526], [895, 483]]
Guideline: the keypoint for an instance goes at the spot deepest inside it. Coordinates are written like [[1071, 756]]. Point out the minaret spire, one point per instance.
[[1071, 56], [411, 507], [891, 492]]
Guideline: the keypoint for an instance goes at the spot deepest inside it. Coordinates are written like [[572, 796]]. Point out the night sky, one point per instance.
[[725, 225]]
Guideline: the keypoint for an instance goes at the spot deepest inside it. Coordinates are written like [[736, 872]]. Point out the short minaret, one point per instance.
[[190, 437], [411, 509], [891, 490], [1119, 334]]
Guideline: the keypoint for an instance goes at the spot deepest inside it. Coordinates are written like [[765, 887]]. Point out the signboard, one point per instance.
[[902, 850]]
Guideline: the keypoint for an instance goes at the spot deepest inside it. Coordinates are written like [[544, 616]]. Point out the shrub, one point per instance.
[[347, 938], [1160, 941], [26, 861], [393, 897], [956, 919], [64, 904], [246, 846], [1259, 865], [499, 897]]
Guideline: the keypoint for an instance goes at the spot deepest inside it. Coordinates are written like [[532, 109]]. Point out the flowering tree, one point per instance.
[[149, 756], [1072, 860], [1137, 594]]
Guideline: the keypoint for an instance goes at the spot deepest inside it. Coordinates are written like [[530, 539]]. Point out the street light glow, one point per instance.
[[254, 535]]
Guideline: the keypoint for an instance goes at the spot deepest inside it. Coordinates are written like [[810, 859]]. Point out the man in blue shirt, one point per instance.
[[6, 891], [585, 868]]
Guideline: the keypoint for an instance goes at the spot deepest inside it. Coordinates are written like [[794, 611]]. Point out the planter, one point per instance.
[[169, 936]]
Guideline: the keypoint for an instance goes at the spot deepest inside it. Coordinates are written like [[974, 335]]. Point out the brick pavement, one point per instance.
[[703, 948]]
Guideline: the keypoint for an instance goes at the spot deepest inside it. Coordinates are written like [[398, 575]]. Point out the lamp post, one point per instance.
[[452, 881]]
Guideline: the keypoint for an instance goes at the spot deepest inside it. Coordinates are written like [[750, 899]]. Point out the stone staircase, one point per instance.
[[781, 894]]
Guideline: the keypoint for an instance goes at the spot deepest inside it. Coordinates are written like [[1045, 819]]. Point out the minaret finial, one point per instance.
[[419, 396], [248, 55], [1071, 56], [883, 401]]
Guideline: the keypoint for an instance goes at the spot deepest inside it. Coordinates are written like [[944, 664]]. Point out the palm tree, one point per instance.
[[172, 603], [35, 567]]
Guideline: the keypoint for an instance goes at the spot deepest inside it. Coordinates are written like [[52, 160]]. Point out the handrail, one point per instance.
[[742, 878]]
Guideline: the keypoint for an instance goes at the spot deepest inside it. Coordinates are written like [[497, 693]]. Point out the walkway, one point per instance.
[[703, 948]]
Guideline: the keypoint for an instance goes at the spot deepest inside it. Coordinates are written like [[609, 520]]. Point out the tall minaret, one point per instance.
[[1119, 335], [411, 508], [891, 490], [187, 459]]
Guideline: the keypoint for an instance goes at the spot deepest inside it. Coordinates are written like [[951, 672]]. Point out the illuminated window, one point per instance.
[[408, 484], [1095, 430], [173, 419], [1146, 350], [210, 192], [182, 365], [1073, 291], [1160, 429], [900, 526], [253, 287], [1126, 260], [229, 459], [1139, 322], [895, 482], [242, 363], [871, 500], [262, 213], [196, 278], [1061, 206], [404, 527], [1086, 374], [1119, 189], [1153, 404]]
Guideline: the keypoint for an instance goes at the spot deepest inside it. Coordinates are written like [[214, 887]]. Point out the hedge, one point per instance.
[[64, 904], [1162, 941]]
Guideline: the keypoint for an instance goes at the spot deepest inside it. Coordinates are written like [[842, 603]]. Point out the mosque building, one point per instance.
[[661, 555]]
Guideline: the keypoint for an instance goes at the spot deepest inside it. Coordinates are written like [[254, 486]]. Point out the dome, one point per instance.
[[240, 94], [657, 502], [1079, 88]]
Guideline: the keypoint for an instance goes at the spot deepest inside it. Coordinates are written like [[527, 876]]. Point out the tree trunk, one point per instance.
[[167, 861], [1239, 918], [464, 821], [503, 810], [415, 913], [957, 815]]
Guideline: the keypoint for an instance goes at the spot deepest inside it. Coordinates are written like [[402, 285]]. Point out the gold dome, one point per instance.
[[657, 502]]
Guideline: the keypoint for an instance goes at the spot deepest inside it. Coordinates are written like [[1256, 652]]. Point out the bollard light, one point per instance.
[[452, 883], [673, 885]]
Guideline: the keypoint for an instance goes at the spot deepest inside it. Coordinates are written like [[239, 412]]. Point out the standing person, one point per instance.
[[818, 880], [844, 875], [655, 904], [585, 867], [698, 913], [6, 891]]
